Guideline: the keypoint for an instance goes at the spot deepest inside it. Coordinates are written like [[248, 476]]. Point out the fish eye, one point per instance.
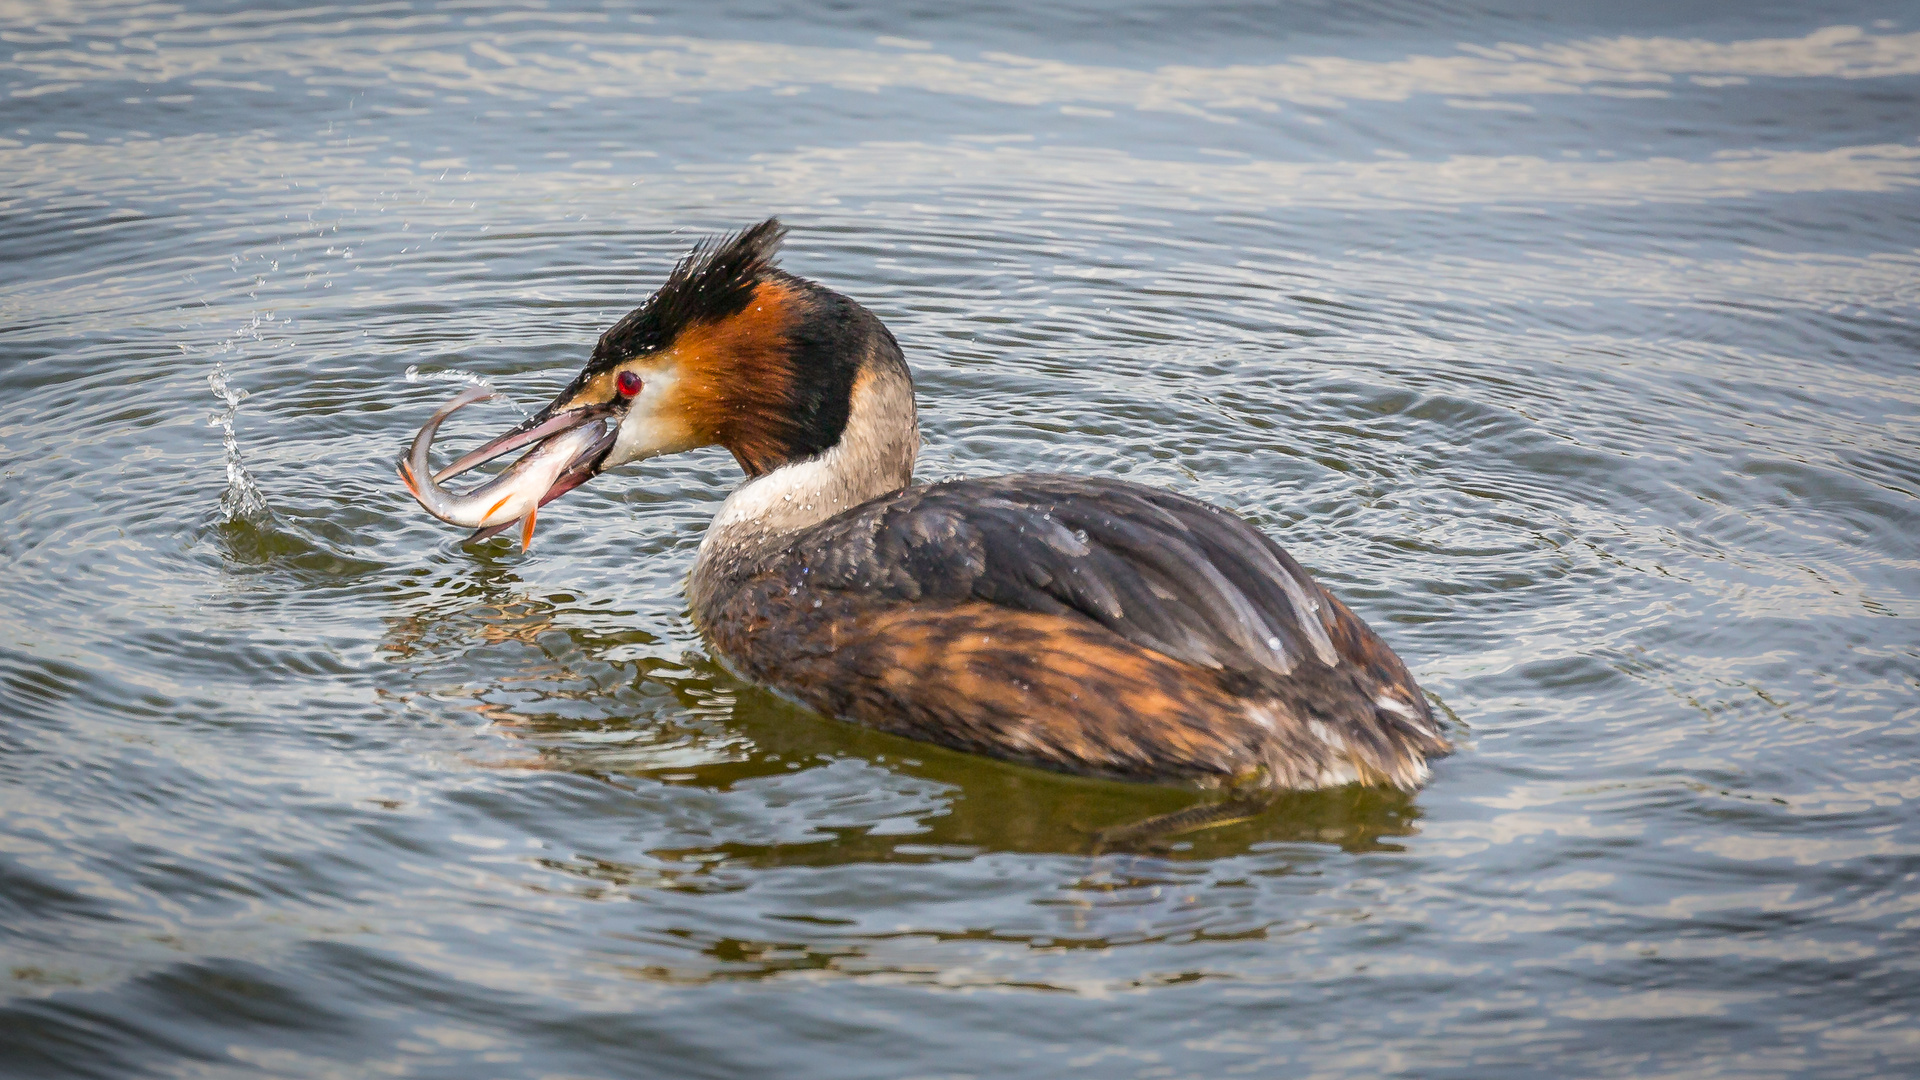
[[628, 384]]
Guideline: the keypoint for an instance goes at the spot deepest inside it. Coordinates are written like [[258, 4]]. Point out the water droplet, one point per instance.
[[242, 499]]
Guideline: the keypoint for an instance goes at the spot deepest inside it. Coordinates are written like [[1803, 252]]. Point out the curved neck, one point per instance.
[[874, 456]]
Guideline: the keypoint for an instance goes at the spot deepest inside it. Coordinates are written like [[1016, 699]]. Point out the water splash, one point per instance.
[[415, 375], [242, 500]]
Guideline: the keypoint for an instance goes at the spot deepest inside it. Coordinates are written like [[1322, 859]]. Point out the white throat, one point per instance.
[[874, 456]]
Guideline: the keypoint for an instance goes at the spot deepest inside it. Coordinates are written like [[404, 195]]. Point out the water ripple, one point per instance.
[[1576, 357]]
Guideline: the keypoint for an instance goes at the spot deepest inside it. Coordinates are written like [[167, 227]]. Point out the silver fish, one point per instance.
[[541, 474]]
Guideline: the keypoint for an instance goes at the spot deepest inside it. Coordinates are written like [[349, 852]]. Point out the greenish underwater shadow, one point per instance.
[[561, 705], [265, 541], [997, 805]]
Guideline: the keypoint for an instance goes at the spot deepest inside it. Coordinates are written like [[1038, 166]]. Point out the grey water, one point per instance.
[[1574, 345]]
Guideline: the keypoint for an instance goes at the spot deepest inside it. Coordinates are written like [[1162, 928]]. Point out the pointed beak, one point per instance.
[[544, 424], [581, 468], [568, 447]]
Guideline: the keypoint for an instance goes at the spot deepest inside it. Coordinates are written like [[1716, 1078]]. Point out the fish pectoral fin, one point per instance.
[[526, 529]]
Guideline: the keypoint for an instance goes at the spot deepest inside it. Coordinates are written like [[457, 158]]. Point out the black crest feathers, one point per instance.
[[715, 280]]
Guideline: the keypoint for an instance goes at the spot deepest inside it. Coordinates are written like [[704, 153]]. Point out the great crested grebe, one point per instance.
[[1076, 623]]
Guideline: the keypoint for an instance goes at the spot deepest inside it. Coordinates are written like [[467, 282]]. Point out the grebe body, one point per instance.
[[1076, 623]]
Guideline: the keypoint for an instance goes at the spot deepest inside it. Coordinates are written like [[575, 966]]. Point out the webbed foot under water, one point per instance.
[[1076, 623]]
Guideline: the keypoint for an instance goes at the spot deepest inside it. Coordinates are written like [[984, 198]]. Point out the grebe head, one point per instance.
[[734, 352]]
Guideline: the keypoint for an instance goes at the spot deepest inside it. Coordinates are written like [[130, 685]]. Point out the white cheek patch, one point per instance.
[[651, 427]]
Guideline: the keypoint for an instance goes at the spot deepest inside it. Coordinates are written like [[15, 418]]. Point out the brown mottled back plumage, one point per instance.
[[1079, 624], [1076, 623]]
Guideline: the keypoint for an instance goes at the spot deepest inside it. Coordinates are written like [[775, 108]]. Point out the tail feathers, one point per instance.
[[1384, 738]]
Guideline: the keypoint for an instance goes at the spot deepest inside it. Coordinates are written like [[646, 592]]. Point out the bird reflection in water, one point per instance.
[[538, 673], [575, 699]]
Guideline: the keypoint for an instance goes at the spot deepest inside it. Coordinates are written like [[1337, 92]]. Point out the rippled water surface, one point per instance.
[[1574, 345]]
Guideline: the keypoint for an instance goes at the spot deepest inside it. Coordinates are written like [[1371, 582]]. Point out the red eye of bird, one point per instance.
[[629, 384]]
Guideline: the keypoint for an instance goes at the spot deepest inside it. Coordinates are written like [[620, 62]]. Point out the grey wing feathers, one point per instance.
[[1161, 570]]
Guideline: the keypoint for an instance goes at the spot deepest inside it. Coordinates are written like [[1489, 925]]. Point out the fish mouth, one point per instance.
[[566, 449]]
